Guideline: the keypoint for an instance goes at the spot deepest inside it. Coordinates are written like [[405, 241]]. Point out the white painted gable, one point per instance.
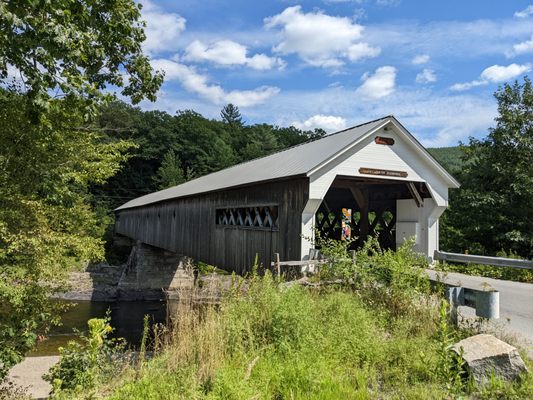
[[404, 156]]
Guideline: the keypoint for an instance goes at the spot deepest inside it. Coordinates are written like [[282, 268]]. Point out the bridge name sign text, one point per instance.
[[383, 172]]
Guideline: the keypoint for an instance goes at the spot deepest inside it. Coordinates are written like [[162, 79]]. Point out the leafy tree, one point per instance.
[[204, 144], [259, 140], [64, 53], [494, 209], [76, 47], [292, 136], [154, 134], [170, 172]]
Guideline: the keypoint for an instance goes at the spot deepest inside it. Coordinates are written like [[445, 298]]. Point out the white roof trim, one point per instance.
[[411, 140]]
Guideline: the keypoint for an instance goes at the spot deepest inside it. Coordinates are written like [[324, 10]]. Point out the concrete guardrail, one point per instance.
[[485, 302]]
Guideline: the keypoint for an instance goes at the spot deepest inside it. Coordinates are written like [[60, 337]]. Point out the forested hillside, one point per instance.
[[171, 149], [449, 157]]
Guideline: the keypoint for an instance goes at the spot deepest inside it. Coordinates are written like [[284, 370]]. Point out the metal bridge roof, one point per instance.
[[294, 161]]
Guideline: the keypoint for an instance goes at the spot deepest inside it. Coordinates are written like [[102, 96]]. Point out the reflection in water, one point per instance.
[[126, 317]]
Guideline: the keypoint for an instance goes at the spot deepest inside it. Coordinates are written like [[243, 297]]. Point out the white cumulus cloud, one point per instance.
[[197, 83], [379, 85], [524, 13], [228, 53], [162, 28], [329, 123], [522, 48], [320, 40], [495, 74], [250, 98], [420, 59], [499, 73], [359, 51], [426, 76]]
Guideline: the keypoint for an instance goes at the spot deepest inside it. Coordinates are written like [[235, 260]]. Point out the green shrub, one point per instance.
[[393, 280], [450, 367], [82, 364], [268, 341], [500, 389]]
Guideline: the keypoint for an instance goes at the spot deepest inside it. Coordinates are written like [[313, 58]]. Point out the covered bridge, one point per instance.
[[372, 179]]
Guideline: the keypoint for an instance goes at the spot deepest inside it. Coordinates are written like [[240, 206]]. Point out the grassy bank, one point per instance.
[[381, 335], [274, 344]]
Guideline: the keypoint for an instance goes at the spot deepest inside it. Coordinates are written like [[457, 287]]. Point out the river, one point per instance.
[[126, 317]]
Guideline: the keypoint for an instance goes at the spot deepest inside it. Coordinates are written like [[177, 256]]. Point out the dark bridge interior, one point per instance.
[[373, 208]]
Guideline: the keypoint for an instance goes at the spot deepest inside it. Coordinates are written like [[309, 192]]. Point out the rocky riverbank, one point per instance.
[[97, 283], [148, 274], [103, 282]]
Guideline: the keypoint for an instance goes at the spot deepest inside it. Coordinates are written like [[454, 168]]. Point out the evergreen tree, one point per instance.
[[231, 115]]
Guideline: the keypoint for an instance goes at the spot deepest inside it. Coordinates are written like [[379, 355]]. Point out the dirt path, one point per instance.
[[28, 374]]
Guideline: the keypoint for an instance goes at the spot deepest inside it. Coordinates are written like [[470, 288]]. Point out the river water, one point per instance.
[[126, 317]]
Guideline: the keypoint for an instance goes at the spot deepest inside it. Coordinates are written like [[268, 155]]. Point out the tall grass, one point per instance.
[[267, 343]]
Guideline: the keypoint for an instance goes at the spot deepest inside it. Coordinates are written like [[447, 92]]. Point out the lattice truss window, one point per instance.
[[263, 217]]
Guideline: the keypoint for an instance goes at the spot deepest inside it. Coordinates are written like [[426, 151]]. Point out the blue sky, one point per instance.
[[335, 63]]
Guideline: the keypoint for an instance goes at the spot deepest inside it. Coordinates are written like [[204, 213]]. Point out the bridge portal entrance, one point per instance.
[[365, 207]]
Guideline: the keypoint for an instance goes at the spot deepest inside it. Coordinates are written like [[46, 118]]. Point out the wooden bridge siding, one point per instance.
[[187, 226]]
